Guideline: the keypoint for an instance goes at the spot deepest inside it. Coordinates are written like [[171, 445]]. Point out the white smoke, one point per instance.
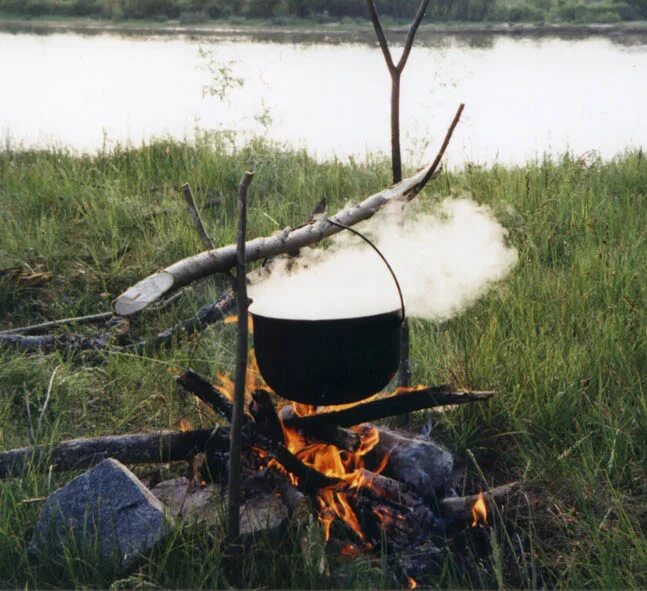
[[444, 260]]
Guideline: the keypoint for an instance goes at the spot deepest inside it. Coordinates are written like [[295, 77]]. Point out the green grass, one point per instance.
[[562, 341]]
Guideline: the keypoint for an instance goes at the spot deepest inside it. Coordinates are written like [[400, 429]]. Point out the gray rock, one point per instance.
[[190, 503], [263, 515], [104, 514], [420, 462]]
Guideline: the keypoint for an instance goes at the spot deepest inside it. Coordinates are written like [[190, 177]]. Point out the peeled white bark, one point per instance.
[[152, 288]]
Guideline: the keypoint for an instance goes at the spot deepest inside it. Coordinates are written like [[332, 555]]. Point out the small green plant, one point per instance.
[[223, 80]]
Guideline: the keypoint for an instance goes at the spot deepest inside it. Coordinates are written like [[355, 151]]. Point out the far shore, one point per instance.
[[307, 30]]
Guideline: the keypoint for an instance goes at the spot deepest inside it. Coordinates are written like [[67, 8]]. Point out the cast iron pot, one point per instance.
[[324, 362]]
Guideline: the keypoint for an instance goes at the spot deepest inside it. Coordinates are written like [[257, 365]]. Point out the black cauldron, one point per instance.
[[336, 361], [325, 362]]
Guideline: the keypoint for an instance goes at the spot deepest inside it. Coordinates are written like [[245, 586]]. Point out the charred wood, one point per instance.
[[396, 404], [205, 391], [460, 508], [329, 434], [206, 316], [147, 448], [265, 417], [423, 464], [49, 343]]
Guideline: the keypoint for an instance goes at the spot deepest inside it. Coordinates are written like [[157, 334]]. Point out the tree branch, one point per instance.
[[140, 448], [238, 411], [379, 31], [412, 34], [183, 272], [44, 326], [448, 136]]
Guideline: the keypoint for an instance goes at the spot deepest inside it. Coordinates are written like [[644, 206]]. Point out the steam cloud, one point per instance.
[[444, 260]]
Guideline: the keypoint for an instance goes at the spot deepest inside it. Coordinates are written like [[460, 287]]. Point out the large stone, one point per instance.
[[105, 514], [191, 503], [420, 462]]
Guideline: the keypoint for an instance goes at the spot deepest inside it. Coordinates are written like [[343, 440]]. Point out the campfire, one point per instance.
[[368, 485]]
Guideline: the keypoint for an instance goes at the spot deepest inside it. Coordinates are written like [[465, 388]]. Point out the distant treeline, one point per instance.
[[193, 11]]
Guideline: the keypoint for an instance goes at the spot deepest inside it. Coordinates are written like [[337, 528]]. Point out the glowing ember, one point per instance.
[[349, 550], [184, 425], [479, 511], [412, 583]]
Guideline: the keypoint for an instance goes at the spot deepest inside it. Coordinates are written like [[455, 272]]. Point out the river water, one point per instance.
[[524, 96]]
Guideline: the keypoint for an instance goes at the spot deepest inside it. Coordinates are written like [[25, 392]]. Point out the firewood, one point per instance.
[[422, 463], [219, 260], [330, 434], [265, 418], [390, 406], [140, 448], [264, 413], [205, 391], [309, 478], [206, 316], [20, 338], [58, 342], [460, 508]]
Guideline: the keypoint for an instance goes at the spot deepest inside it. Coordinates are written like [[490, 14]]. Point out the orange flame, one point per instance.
[[346, 466], [233, 319], [184, 425], [349, 550], [479, 511], [411, 583], [331, 461]]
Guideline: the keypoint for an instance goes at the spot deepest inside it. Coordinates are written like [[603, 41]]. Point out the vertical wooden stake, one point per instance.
[[233, 506], [395, 71]]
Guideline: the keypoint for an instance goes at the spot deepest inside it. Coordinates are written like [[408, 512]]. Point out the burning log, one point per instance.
[[205, 391], [460, 508], [331, 434], [423, 464], [401, 402], [309, 478], [148, 448]]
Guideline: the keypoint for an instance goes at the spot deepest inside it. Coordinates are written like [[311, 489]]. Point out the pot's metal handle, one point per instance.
[[377, 250]]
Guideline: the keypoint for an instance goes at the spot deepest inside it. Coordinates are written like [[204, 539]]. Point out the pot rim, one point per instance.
[[335, 319]]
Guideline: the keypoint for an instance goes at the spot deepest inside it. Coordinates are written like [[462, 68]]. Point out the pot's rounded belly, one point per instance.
[[324, 362]]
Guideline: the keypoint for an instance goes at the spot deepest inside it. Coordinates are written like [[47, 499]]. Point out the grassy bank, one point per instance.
[[563, 341]]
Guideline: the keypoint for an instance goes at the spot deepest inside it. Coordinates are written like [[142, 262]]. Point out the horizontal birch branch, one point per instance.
[[220, 260], [152, 288]]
